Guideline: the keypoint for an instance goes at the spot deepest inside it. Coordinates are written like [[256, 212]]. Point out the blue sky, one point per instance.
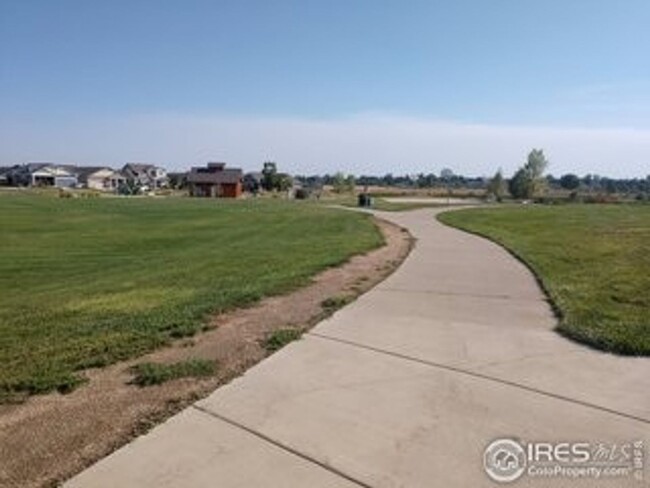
[[328, 85]]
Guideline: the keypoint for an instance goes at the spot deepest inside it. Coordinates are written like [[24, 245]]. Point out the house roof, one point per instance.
[[31, 167], [140, 168], [227, 176], [50, 167], [48, 170], [84, 172], [71, 168]]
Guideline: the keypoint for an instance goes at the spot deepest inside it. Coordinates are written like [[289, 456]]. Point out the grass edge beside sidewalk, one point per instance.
[[581, 317]]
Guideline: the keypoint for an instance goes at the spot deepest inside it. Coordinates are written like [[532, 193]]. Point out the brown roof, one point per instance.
[[227, 176]]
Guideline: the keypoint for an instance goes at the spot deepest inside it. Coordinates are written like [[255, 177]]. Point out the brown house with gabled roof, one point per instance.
[[216, 181]]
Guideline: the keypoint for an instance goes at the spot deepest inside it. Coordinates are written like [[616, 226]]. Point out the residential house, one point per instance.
[[148, 176], [215, 180], [46, 174], [100, 178]]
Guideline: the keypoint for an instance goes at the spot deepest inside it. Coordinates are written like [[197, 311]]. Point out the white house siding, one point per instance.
[[104, 180], [53, 176]]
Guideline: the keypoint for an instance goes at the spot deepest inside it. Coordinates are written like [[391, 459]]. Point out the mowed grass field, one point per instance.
[[593, 260], [86, 282]]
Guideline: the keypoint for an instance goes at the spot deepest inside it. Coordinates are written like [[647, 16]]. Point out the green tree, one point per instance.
[[274, 181], [350, 183], [528, 181], [535, 167], [338, 182], [497, 186], [569, 181], [342, 183], [270, 176], [129, 187], [519, 186], [283, 182]]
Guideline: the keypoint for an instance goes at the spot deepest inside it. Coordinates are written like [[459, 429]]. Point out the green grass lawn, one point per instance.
[[593, 260], [86, 282]]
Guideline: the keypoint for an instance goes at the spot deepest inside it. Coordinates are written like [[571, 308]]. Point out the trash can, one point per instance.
[[365, 200]]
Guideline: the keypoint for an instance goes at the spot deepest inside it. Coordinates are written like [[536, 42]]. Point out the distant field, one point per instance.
[[594, 260], [86, 282]]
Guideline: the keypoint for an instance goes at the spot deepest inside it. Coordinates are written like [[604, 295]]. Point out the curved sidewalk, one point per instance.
[[404, 387]]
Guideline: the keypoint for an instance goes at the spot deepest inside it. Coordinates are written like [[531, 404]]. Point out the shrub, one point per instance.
[[147, 374], [280, 338], [334, 303]]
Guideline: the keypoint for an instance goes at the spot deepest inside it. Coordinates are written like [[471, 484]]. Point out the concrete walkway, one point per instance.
[[403, 388]]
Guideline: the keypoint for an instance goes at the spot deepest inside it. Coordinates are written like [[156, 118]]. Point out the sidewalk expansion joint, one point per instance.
[[475, 374], [282, 446]]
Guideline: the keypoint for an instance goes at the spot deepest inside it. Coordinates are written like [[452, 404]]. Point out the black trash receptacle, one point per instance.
[[365, 200]]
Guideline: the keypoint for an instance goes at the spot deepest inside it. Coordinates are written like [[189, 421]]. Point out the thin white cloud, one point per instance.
[[366, 143]]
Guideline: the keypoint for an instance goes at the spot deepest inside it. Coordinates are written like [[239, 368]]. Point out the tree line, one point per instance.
[[528, 182]]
